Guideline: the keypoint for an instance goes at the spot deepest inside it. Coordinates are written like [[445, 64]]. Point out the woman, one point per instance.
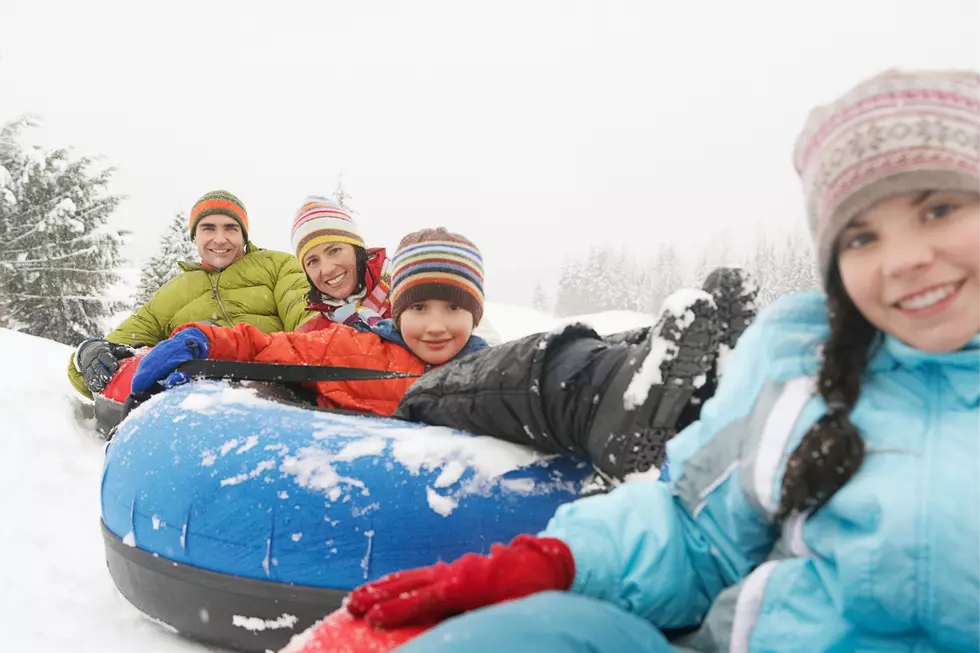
[[349, 283]]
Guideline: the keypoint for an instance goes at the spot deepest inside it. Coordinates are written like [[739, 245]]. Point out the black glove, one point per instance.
[[98, 360]]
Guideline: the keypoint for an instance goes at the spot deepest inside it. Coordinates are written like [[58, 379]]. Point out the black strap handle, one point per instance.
[[241, 371]]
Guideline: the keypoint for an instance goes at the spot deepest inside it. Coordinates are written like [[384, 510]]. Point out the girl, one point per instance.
[[828, 499]]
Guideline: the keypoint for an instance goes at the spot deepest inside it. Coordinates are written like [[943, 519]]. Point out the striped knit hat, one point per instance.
[[219, 202], [321, 220], [899, 132], [437, 264]]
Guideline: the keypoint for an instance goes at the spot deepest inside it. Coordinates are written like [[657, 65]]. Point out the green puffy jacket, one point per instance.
[[263, 288]]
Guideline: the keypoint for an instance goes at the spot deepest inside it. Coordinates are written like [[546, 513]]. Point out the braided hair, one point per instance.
[[832, 450], [314, 296]]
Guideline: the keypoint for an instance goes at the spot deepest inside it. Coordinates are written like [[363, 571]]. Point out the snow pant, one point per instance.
[[575, 378], [542, 391], [556, 622]]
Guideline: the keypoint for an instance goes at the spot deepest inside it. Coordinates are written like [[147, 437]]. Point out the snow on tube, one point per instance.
[[241, 521]]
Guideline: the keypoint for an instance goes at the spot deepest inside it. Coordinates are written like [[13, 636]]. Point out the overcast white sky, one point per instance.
[[537, 128]]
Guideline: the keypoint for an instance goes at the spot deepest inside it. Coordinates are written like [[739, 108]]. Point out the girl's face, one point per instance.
[[333, 268], [910, 265]]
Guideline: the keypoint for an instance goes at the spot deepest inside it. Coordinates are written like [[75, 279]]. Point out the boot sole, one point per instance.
[[653, 422], [735, 296]]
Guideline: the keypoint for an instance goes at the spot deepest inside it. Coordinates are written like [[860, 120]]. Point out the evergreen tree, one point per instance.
[[539, 299], [568, 299], [175, 246], [665, 275], [57, 255], [341, 196]]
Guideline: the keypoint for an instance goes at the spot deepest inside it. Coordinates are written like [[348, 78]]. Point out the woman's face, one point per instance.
[[333, 269], [910, 265]]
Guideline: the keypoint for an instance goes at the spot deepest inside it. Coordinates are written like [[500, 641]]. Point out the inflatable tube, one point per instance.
[[228, 494]]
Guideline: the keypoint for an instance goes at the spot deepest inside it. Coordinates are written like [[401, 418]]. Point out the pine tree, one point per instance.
[[569, 295], [57, 255], [664, 276], [162, 267], [539, 299], [341, 196]]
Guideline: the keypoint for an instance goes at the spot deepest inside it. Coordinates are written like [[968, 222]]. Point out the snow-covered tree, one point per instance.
[[175, 245], [664, 276], [57, 255], [341, 196], [539, 299], [569, 297]]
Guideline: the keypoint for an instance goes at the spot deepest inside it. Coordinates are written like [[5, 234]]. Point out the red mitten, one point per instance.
[[423, 596]]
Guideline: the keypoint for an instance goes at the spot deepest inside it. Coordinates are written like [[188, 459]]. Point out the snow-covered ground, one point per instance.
[[55, 591]]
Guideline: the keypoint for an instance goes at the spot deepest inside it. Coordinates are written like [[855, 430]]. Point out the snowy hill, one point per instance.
[[55, 584], [57, 594]]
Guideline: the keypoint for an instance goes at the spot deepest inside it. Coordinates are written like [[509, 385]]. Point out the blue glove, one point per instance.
[[166, 356]]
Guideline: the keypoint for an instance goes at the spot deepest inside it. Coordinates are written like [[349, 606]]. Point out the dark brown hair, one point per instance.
[[832, 450]]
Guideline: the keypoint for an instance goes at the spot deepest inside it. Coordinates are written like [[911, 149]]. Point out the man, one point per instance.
[[234, 282]]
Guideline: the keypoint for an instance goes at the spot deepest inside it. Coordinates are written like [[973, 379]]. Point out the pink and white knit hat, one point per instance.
[[321, 220], [899, 132]]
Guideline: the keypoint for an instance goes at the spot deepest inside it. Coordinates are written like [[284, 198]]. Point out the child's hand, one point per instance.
[[426, 595], [166, 356]]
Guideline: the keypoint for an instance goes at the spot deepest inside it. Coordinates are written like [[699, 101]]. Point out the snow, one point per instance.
[[255, 624], [679, 305], [55, 586], [51, 536], [440, 504]]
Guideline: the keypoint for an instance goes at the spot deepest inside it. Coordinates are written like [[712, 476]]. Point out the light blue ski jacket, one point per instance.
[[891, 563]]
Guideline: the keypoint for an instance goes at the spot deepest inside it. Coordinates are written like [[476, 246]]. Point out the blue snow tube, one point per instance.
[[212, 479]]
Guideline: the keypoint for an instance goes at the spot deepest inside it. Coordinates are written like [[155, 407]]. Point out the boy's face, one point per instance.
[[435, 330]]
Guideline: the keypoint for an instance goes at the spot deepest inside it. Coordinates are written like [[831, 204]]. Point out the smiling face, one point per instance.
[[220, 241], [435, 330], [333, 269], [910, 265]]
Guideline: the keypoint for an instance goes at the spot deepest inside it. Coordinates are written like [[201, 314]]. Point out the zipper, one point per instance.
[[217, 298], [924, 606]]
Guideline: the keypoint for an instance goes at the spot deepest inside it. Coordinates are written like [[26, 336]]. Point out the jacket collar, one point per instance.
[[387, 330], [960, 368]]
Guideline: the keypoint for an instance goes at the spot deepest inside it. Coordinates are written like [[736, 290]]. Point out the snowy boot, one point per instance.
[[734, 292], [639, 409]]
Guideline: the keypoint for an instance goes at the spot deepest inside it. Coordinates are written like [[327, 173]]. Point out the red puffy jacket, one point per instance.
[[333, 345]]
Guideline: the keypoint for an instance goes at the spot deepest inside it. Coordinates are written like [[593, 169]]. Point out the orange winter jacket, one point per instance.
[[335, 345]]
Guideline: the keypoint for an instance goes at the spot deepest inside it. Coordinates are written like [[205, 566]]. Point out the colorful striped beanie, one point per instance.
[[899, 132], [219, 202], [321, 220], [437, 264]]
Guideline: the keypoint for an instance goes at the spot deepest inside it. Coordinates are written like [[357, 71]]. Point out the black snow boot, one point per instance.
[[643, 399], [734, 291]]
